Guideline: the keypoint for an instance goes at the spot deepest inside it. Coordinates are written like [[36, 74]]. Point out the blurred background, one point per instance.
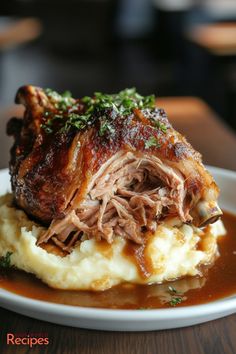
[[166, 47]]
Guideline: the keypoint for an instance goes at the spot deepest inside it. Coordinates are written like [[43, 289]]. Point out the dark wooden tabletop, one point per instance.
[[217, 143]]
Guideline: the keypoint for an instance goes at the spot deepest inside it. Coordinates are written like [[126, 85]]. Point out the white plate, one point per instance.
[[128, 320]]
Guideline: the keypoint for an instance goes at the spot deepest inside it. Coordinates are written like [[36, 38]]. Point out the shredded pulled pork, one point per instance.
[[127, 197]]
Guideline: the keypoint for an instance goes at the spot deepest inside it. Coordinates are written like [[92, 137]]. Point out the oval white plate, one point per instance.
[[128, 320]]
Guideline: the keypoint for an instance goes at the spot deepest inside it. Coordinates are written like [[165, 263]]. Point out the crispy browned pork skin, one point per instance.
[[103, 169]]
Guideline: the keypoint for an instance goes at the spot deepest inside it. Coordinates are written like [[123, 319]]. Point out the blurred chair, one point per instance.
[[216, 42], [19, 32], [217, 38]]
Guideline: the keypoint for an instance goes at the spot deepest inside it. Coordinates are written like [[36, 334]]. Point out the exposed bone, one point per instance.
[[206, 213]]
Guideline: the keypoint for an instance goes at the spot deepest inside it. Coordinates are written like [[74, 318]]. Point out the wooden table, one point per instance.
[[217, 38], [218, 146]]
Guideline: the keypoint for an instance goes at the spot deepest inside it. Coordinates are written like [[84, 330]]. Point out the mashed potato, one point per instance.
[[174, 251]]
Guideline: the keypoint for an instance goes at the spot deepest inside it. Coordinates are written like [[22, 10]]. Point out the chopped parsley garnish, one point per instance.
[[5, 261], [152, 141], [175, 300], [75, 120], [161, 126], [106, 127], [172, 290], [46, 128], [122, 103], [176, 297], [96, 107], [63, 101]]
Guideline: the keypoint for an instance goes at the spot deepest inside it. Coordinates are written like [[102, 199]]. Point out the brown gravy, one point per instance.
[[219, 281]]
